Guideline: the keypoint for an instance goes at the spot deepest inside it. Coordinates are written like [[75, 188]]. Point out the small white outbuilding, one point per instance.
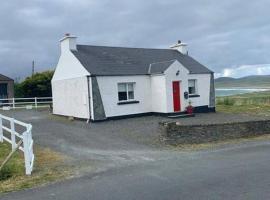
[[99, 82]]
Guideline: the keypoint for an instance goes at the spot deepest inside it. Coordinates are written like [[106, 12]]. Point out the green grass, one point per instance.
[[256, 98], [245, 109], [257, 103], [14, 167], [49, 166]]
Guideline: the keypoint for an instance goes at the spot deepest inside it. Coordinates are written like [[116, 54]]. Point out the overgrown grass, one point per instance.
[[256, 98], [257, 103], [245, 109], [49, 166]]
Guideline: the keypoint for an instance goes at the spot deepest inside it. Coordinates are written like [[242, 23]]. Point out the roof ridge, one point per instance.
[[124, 47]]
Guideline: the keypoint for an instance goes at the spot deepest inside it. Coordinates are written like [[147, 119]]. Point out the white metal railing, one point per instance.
[[28, 103], [15, 137]]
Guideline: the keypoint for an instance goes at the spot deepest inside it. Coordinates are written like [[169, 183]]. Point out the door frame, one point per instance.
[[176, 96]]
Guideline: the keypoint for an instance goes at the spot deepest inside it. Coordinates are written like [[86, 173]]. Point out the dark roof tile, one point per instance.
[[101, 60], [159, 67]]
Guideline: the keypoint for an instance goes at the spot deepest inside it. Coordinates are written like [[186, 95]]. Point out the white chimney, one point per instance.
[[68, 42], [181, 47]]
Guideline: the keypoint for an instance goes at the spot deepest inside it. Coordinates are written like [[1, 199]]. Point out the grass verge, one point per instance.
[[255, 98], [49, 166], [251, 109]]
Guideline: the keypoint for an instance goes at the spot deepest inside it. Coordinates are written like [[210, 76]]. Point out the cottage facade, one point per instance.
[[98, 83]]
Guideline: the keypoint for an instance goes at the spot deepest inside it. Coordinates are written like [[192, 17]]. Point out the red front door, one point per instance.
[[176, 96]]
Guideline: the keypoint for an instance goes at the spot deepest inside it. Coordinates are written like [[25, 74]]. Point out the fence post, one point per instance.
[[13, 136], [36, 102], [1, 129], [26, 153], [31, 149], [13, 103]]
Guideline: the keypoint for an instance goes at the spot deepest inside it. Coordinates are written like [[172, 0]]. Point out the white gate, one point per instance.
[[15, 137]]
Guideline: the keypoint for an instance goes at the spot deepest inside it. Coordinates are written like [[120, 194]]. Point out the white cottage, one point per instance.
[[99, 82]]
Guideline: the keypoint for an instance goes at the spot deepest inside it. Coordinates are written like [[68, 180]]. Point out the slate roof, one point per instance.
[[105, 61], [5, 78], [159, 67]]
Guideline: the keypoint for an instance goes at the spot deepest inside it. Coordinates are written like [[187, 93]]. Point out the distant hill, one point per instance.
[[262, 81]]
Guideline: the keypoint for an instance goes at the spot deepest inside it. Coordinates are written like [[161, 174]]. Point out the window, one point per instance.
[[192, 87], [125, 91]]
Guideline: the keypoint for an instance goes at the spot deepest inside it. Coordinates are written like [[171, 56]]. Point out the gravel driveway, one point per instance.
[[78, 137], [126, 161], [109, 143]]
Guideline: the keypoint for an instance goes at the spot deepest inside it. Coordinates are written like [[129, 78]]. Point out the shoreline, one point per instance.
[[243, 88], [223, 92]]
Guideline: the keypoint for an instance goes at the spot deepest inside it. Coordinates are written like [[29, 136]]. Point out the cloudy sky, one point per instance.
[[230, 37]]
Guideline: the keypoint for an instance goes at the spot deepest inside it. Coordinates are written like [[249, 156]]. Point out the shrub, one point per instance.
[[6, 172], [38, 85]]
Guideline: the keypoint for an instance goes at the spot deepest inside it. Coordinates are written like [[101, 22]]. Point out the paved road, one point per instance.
[[130, 166], [235, 173]]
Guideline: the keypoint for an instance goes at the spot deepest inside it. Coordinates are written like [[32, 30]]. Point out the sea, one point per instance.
[[234, 91]]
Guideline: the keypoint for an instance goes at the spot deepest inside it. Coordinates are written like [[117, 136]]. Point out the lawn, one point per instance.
[[49, 166], [257, 103]]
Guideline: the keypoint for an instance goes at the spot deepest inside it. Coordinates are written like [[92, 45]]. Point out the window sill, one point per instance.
[[127, 102], [193, 95]]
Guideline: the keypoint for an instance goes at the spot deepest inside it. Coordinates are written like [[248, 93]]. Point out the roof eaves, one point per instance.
[[5, 78]]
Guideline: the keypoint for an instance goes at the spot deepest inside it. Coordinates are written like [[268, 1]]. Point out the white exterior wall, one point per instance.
[[171, 76], [154, 93], [68, 67], [203, 87], [108, 86], [70, 97], [158, 94], [69, 84]]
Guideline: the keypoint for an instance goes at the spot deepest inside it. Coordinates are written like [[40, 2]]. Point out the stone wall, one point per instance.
[[175, 133]]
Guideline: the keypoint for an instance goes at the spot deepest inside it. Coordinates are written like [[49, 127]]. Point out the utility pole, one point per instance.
[[33, 68]]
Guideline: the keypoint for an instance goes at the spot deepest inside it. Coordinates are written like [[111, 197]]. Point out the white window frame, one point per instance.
[[127, 91], [195, 86]]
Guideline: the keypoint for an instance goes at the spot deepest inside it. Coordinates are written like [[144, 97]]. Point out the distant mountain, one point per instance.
[[258, 81]]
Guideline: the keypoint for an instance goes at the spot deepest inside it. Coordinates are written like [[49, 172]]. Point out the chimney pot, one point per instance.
[[181, 47], [68, 42]]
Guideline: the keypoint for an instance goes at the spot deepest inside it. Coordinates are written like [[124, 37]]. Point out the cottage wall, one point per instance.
[[171, 75], [203, 85], [152, 93], [108, 86], [70, 97], [70, 87], [158, 94]]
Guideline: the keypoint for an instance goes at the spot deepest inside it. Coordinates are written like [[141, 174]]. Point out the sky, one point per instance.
[[229, 37]]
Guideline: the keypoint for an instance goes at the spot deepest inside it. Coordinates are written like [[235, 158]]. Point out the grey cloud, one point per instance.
[[220, 34]]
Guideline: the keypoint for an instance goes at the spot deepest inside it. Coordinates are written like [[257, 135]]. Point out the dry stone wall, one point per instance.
[[175, 133]]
